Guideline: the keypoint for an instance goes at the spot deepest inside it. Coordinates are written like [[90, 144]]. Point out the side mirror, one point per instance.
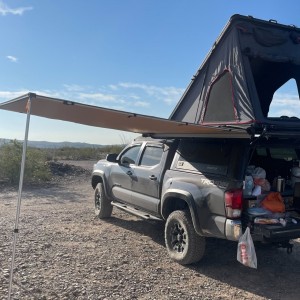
[[112, 157]]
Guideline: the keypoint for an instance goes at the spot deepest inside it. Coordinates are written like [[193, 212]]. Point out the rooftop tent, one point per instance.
[[235, 84]]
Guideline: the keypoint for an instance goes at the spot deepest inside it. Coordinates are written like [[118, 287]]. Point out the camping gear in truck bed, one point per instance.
[[268, 227]]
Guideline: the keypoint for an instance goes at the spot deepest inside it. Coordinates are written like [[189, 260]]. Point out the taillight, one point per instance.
[[233, 203]]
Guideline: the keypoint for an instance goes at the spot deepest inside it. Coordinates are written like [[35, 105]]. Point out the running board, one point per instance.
[[135, 211]]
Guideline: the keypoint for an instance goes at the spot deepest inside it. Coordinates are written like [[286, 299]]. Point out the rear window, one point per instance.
[[203, 157], [277, 153], [151, 156]]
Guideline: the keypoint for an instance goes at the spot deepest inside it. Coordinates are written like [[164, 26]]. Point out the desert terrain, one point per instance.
[[65, 252]]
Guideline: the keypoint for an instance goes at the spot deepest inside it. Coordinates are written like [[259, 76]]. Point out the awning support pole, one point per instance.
[[16, 229]]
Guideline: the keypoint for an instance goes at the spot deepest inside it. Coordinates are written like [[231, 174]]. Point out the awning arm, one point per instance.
[[16, 229]]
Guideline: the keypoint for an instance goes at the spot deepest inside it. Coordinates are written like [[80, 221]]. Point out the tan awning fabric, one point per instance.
[[66, 110]]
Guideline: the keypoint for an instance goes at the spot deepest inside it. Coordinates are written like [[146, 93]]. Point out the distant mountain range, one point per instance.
[[44, 144]]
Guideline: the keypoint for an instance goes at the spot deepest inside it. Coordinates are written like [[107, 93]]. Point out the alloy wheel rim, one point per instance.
[[178, 237], [97, 201]]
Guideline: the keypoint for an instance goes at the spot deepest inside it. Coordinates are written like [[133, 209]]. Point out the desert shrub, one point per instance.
[[112, 149], [73, 153], [36, 169]]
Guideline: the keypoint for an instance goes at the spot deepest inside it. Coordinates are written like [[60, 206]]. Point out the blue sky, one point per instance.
[[132, 55]]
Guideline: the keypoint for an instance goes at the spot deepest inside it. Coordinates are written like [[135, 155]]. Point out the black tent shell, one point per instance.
[[235, 84]]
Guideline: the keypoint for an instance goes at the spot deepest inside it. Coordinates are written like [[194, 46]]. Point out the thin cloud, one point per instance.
[[99, 97], [8, 95], [285, 105], [113, 87], [286, 100], [168, 95], [12, 58], [74, 87], [6, 10], [141, 104], [133, 97], [131, 94]]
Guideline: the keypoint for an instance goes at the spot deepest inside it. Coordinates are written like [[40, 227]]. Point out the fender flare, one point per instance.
[[99, 174], [189, 199]]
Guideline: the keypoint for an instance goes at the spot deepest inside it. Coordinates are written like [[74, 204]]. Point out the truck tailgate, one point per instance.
[[278, 232], [272, 232]]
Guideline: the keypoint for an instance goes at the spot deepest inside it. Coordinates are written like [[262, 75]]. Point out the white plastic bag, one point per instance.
[[246, 252]]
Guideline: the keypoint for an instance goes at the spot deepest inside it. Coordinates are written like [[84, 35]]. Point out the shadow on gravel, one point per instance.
[[152, 229], [277, 275]]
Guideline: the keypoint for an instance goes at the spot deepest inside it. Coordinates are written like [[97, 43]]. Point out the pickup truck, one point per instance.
[[197, 187]]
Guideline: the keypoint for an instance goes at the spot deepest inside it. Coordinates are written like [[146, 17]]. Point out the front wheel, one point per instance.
[[103, 207], [183, 243]]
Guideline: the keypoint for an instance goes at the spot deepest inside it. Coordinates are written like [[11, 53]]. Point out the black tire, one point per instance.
[[183, 244], [103, 207]]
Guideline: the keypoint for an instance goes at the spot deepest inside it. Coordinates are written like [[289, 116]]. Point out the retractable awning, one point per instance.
[[65, 110], [71, 111]]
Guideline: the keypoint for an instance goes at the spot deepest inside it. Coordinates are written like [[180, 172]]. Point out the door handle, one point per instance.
[[152, 177], [129, 173]]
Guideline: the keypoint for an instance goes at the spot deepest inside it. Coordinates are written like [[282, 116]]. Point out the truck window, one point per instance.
[[204, 157], [130, 155], [151, 156], [283, 153], [287, 154]]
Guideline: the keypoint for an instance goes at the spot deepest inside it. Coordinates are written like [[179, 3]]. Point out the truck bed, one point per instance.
[[273, 232]]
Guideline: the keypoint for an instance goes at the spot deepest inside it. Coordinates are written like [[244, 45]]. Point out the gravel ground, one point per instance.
[[64, 252]]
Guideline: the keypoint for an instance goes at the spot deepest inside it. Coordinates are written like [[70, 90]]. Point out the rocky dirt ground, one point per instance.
[[64, 252]]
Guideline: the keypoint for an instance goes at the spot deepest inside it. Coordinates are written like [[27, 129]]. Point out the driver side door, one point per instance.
[[122, 173]]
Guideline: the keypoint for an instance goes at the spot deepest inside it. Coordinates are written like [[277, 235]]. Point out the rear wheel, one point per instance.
[[103, 207], [183, 244]]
